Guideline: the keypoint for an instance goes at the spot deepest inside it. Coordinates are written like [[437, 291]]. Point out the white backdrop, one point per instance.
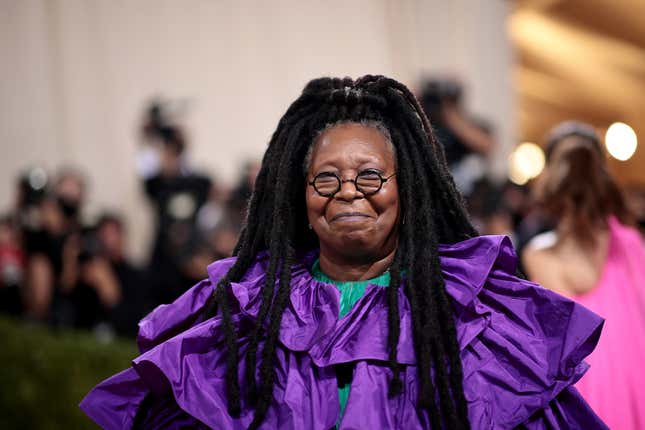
[[75, 75]]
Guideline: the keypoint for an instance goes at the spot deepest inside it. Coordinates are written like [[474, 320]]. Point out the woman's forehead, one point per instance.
[[353, 140]]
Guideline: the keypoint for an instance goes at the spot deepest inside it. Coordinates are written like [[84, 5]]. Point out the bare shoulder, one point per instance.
[[539, 249], [540, 261], [534, 260]]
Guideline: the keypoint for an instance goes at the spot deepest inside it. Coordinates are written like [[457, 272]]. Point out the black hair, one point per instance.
[[158, 124], [433, 213]]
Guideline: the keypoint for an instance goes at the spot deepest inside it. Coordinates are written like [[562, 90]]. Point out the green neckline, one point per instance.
[[350, 293], [383, 280]]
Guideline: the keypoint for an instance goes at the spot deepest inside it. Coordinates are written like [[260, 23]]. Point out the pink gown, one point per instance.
[[615, 384]]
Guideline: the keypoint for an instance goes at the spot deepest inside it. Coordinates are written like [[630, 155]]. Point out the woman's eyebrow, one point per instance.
[[325, 168]]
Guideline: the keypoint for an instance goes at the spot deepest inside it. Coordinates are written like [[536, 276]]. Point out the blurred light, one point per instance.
[[37, 178], [526, 162], [621, 141]]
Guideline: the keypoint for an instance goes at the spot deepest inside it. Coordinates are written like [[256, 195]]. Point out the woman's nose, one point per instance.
[[348, 190]]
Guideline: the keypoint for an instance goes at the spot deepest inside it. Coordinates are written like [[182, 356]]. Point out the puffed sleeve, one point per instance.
[[522, 346]]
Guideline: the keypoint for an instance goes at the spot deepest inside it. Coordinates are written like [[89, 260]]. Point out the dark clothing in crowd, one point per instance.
[[47, 244], [454, 148], [126, 315], [177, 201], [88, 311], [10, 300], [51, 247]]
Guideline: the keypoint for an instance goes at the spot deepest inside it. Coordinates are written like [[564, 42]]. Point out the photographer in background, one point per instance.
[[17, 229], [108, 292], [177, 194], [241, 193], [52, 230], [466, 142]]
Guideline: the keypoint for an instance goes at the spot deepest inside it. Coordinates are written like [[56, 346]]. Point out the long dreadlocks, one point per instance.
[[277, 221]]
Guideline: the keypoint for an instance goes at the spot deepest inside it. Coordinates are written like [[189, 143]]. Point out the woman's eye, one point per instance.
[[369, 173], [326, 175]]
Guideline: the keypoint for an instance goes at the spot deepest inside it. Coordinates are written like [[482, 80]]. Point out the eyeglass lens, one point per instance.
[[366, 182]]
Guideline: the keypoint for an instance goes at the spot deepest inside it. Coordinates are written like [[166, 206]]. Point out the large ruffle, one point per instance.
[[521, 348], [522, 345]]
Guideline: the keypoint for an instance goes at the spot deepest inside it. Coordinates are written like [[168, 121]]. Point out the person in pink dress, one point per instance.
[[596, 258]]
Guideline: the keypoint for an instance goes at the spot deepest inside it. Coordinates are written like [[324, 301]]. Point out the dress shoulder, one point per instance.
[[521, 344], [167, 320], [183, 360]]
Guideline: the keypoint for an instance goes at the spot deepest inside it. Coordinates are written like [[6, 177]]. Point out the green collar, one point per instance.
[[382, 280]]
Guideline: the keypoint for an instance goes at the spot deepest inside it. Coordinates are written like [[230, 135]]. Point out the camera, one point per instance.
[[32, 186]]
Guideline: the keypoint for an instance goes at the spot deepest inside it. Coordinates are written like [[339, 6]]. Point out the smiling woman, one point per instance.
[[356, 224], [360, 296]]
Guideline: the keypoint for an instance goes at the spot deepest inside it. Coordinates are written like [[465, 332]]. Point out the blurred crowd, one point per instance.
[[57, 269], [60, 270]]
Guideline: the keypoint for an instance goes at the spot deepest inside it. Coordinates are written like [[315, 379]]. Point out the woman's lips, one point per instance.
[[349, 217]]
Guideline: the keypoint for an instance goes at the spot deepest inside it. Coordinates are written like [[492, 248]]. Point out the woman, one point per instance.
[[596, 258], [360, 297]]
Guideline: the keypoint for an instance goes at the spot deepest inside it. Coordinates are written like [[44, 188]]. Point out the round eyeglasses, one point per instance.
[[367, 182]]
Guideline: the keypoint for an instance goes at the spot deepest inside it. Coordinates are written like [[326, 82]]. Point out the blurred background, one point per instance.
[[131, 133]]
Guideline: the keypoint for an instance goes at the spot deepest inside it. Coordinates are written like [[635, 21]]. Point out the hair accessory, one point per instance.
[[572, 128]]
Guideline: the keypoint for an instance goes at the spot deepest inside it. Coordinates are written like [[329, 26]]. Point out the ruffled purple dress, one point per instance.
[[521, 346]]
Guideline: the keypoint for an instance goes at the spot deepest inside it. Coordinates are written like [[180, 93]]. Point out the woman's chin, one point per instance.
[[359, 233], [357, 245]]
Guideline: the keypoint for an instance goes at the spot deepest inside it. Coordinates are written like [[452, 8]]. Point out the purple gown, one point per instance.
[[521, 347]]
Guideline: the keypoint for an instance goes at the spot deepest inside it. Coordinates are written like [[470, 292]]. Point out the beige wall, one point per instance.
[[75, 75]]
